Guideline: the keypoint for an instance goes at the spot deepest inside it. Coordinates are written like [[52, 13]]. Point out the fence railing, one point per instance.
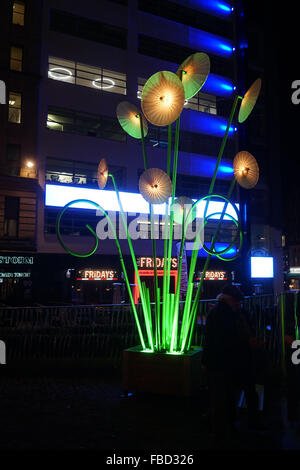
[[103, 331]]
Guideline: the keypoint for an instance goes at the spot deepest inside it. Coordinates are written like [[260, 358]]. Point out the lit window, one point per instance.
[[16, 58], [97, 78], [18, 13], [14, 107]]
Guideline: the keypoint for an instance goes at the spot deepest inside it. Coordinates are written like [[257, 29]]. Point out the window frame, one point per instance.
[[10, 106], [17, 60]]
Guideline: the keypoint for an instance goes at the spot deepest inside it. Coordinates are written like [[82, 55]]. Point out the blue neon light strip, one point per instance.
[[218, 246], [204, 165], [213, 7], [219, 86], [210, 43], [60, 195], [203, 123]]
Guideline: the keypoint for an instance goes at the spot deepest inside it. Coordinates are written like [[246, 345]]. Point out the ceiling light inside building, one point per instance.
[[109, 83], [60, 73]]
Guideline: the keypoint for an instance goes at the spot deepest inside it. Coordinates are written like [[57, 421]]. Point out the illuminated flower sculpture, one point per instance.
[[155, 186], [129, 118], [194, 72], [167, 326], [102, 174], [162, 98], [246, 170]]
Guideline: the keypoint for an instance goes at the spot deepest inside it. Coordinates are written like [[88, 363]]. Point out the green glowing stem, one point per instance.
[[177, 294], [175, 163], [166, 235], [198, 292], [143, 142], [121, 259], [157, 320], [143, 300], [211, 188], [169, 149]]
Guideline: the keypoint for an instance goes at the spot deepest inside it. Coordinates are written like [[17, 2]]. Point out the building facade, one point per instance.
[[67, 66]]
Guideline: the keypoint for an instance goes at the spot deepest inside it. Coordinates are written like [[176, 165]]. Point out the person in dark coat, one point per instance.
[[227, 357]]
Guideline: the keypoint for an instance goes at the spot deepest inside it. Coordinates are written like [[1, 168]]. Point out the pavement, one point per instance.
[[90, 413]]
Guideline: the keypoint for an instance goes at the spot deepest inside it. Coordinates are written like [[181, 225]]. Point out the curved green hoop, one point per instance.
[[209, 196], [218, 253], [71, 252]]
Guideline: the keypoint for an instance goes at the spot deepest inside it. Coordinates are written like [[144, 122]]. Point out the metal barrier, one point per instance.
[[104, 331]]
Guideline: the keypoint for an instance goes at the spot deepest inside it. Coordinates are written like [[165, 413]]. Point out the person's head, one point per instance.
[[232, 296]]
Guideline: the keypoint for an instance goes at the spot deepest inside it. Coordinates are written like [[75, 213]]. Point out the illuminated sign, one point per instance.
[[147, 262], [14, 275], [97, 275], [60, 195], [295, 270], [16, 259], [214, 276], [262, 267]]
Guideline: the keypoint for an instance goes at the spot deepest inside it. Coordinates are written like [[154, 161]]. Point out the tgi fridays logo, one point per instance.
[[213, 276], [97, 275]]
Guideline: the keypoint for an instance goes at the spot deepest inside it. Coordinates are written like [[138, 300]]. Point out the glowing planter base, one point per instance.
[[163, 374]]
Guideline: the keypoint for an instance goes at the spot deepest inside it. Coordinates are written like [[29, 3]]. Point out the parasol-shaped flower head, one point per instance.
[[249, 100], [129, 118], [183, 210], [194, 72], [102, 173], [162, 98], [246, 170], [155, 186]]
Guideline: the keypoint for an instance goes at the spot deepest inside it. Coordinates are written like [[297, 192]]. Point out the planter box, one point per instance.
[[160, 373]]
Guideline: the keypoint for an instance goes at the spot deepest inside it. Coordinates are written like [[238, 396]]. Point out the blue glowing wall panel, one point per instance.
[[204, 123], [204, 165], [214, 7], [219, 86], [218, 246], [210, 43]]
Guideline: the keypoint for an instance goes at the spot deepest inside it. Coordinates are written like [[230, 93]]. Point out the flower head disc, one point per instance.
[[162, 98], [183, 211], [195, 70], [249, 100], [246, 170], [102, 173], [129, 118], [155, 186]]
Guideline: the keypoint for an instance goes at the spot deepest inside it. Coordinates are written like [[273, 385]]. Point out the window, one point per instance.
[[201, 102], [11, 216], [91, 125], [18, 13], [85, 28], [175, 53], [14, 107], [16, 58], [80, 173], [184, 14], [97, 78], [13, 159]]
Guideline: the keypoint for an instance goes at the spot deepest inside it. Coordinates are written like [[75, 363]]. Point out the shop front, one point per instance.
[[294, 278], [16, 278]]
